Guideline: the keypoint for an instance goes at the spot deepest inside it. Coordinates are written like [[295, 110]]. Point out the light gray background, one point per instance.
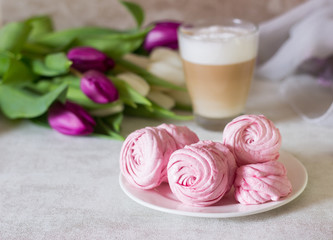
[[71, 13]]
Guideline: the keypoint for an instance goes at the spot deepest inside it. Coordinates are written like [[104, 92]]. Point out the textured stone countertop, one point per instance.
[[59, 187]]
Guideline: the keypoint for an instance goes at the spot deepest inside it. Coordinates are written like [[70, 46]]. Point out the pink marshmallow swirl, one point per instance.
[[199, 174], [144, 157], [252, 139], [182, 134], [261, 182]]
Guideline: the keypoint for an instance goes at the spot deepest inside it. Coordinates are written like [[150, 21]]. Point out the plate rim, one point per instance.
[[275, 204]]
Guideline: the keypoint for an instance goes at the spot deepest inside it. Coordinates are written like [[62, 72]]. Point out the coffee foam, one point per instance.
[[218, 45]]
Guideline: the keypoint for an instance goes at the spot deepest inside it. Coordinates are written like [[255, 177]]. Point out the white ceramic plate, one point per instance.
[[162, 199]]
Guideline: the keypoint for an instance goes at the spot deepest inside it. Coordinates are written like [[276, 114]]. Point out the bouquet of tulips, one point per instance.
[[84, 80]]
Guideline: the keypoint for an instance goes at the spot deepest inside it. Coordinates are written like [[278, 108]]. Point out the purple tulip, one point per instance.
[[70, 119], [164, 34], [88, 58], [98, 87]]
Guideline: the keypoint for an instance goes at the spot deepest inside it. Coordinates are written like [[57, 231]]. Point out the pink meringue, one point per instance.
[[230, 159], [252, 139], [199, 174], [261, 182], [182, 134], [144, 157]]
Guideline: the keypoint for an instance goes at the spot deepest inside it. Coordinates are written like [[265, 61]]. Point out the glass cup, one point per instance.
[[218, 60]]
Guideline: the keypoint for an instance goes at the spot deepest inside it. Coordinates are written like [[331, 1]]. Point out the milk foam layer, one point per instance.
[[218, 45]]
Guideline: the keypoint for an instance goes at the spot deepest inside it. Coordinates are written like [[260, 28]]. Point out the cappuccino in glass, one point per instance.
[[218, 61]]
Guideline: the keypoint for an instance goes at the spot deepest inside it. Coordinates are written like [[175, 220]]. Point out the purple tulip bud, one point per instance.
[[88, 58], [70, 119], [98, 87], [164, 34]]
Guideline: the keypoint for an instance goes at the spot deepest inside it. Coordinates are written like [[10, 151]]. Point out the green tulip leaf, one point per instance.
[[116, 44], [41, 121], [19, 103], [13, 36], [104, 127], [58, 61], [71, 80], [136, 11], [40, 25], [18, 73], [55, 64], [35, 50], [155, 111], [62, 38], [112, 47], [114, 121], [40, 68], [4, 62]]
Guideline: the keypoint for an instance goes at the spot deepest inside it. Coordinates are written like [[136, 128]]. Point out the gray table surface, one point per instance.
[[59, 187]]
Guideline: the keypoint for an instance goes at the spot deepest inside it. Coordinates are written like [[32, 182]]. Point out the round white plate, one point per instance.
[[161, 198]]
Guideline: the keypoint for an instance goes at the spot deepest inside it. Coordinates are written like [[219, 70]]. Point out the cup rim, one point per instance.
[[253, 28]]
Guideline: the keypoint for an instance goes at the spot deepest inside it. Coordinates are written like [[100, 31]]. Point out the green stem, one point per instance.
[[76, 73]]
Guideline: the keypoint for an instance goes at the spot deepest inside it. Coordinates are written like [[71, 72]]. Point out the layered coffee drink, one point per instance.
[[218, 62]]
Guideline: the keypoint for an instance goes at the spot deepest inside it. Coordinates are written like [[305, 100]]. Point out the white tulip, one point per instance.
[[166, 55], [161, 99], [167, 72], [136, 82]]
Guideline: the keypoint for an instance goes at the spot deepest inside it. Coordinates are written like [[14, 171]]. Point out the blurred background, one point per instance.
[[110, 13]]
